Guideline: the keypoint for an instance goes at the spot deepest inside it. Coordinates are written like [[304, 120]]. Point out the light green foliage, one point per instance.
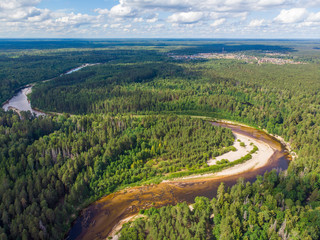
[[223, 161]]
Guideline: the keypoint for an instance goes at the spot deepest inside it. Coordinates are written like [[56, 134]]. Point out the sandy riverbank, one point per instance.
[[259, 158], [288, 146], [106, 214], [114, 235], [234, 155]]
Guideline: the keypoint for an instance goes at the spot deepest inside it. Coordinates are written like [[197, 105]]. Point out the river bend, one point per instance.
[[99, 219]]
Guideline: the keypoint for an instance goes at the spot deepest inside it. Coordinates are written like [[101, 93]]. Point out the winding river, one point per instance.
[[101, 218], [20, 101]]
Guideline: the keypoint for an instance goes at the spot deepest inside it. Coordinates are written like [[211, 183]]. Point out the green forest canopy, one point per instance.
[[54, 166]]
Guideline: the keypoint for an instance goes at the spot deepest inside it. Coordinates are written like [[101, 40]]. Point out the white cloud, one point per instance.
[[21, 10], [185, 17], [19, 14], [120, 11], [293, 15], [14, 4], [116, 25], [22, 16], [309, 3], [256, 23], [152, 20], [205, 5], [243, 15], [74, 19], [313, 20], [227, 15], [160, 25], [44, 15], [158, 4], [149, 18], [138, 20], [269, 3], [218, 22], [102, 11], [313, 17]]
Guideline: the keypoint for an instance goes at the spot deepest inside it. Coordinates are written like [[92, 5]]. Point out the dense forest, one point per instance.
[[53, 166], [128, 132], [15, 67], [281, 99], [273, 207]]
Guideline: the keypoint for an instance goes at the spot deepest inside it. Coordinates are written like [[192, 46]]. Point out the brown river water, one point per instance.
[[98, 219]]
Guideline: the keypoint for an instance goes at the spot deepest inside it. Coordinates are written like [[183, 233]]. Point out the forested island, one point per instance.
[[141, 116]]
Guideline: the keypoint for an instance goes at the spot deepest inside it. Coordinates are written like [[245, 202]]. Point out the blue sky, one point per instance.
[[77, 6], [160, 18]]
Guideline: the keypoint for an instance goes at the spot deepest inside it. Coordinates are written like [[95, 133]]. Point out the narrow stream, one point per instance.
[[98, 220]]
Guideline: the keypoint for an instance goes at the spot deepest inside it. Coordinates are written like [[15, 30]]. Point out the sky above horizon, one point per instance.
[[160, 19]]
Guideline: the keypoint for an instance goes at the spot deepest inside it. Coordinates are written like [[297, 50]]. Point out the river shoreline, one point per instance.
[[103, 216], [259, 159], [287, 145], [22, 92], [172, 191], [126, 203]]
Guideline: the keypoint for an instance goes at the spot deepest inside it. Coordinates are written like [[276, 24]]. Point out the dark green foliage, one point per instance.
[[20, 68], [172, 222], [80, 91], [214, 88], [51, 167], [265, 209]]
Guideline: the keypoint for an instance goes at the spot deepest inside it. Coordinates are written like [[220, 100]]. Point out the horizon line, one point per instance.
[[150, 38]]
